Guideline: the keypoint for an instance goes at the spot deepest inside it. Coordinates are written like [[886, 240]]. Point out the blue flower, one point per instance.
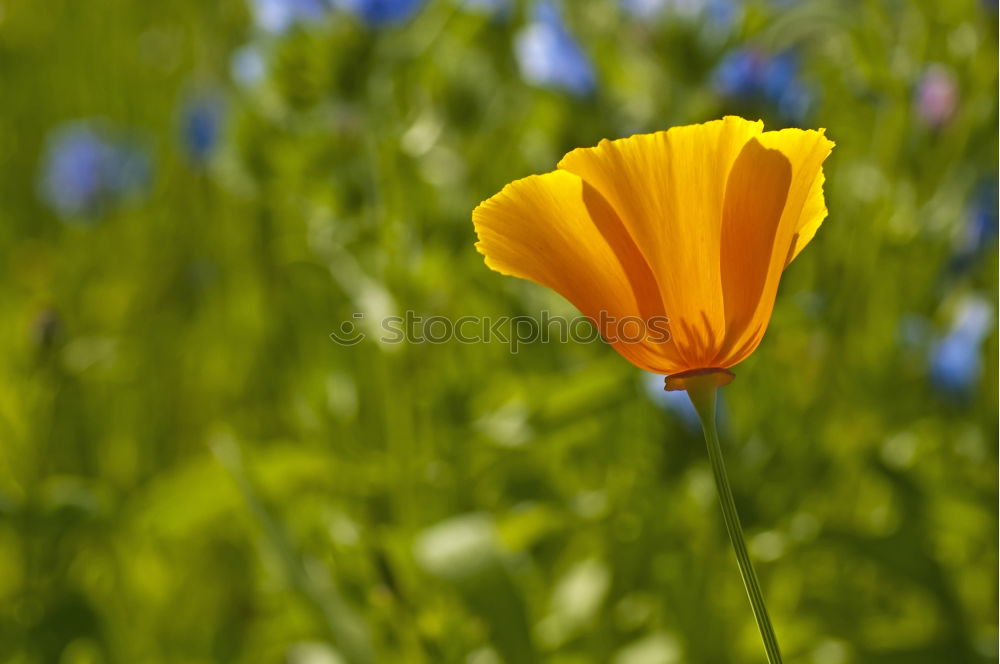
[[955, 360], [84, 172], [750, 75], [739, 73], [983, 219], [548, 55], [201, 126], [980, 228], [778, 73], [278, 16], [955, 365], [379, 13]]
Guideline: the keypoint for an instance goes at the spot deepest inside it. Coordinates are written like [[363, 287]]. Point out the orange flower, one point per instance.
[[693, 225]]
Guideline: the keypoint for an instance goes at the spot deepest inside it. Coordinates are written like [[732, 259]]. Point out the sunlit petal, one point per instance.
[[755, 198], [558, 231], [668, 188], [803, 212]]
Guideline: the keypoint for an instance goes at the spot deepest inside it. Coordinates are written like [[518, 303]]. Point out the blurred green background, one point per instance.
[[196, 194]]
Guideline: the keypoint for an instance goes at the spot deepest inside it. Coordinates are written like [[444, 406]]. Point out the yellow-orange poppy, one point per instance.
[[693, 225]]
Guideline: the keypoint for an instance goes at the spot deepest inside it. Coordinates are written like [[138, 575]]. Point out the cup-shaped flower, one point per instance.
[[691, 227]]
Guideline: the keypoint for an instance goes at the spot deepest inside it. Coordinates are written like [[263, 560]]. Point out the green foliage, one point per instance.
[[192, 471]]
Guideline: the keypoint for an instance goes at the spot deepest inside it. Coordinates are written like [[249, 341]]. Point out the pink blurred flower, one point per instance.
[[937, 96]]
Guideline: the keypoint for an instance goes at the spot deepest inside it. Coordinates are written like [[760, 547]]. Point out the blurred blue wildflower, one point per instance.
[[936, 96], [956, 360], [782, 86], [549, 56], [980, 230], [278, 16], [247, 66], [84, 171], [778, 73], [379, 13], [750, 75], [738, 74], [201, 126]]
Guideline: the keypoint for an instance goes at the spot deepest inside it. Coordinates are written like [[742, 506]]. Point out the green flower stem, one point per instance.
[[703, 398]]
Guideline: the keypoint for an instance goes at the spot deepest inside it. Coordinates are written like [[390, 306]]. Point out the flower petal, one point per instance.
[[558, 231], [668, 189], [803, 212], [813, 214], [755, 198]]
